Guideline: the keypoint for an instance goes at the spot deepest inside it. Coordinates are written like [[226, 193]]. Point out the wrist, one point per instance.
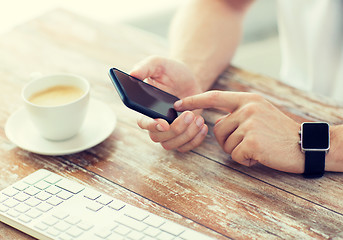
[[334, 158], [204, 77], [315, 143]]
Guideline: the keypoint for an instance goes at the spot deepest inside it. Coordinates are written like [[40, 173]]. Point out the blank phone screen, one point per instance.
[[147, 96]]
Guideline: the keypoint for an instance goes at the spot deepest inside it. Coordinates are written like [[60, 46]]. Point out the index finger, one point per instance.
[[229, 101]]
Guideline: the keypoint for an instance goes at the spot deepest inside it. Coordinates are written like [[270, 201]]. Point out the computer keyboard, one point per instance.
[[46, 205]]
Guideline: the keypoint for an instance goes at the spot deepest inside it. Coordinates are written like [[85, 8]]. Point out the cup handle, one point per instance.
[[35, 75]]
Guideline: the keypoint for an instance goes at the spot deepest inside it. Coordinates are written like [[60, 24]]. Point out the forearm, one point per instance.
[[334, 159], [205, 34]]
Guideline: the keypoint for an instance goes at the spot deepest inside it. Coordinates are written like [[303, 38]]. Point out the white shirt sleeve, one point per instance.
[[311, 39]]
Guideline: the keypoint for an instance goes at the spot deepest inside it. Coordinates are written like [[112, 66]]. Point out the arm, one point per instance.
[[205, 34]]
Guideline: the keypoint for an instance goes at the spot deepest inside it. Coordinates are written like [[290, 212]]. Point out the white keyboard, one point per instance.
[[48, 206]]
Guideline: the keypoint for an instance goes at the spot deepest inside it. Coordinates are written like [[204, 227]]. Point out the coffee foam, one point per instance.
[[57, 95]]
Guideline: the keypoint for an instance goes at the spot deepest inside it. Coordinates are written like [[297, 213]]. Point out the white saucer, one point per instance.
[[99, 124]]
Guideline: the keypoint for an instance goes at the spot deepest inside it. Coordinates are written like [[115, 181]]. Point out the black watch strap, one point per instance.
[[314, 164]]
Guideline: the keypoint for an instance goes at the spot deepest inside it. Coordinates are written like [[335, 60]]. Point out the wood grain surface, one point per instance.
[[203, 189]]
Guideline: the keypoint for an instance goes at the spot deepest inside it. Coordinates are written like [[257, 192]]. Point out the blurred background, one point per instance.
[[259, 51]]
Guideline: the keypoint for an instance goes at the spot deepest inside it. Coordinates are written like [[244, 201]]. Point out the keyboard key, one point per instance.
[[3, 208], [94, 206], [41, 226], [53, 178], [62, 226], [149, 238], [190, 235], [21, 186], [54, 201], [53, 190], [44, 207], [84, 225], [130, 222], [73, 220], [60, 215], [115, 236], [74, 231], [152, 232], [53, 232], [135, 235], [50, 220], [22, 208], [21, 197], [39, 175], [64, 195], [42, 185], [3, 198], [123, 230], [32, 191], [13, 213], [32, 202], [172, 228], [116, 205], [24, 218], [104, 200], [10, 191], [166, 236], [154, 221], [103, 233], [33, 213], [136, 213], [70, 186], [11, 203], [65, 236], [43, 196], [91, 194]]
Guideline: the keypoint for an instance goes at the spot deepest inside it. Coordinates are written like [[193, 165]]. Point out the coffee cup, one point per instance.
[[57, 104]]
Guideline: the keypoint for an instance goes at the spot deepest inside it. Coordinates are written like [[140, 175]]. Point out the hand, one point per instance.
[[253, 131], [184, 134], [188, 130]]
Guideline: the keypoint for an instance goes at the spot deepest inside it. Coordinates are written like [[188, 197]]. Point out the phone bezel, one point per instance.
[[136, 106]]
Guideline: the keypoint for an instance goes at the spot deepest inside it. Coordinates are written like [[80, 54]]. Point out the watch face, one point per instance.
[[315, 136]]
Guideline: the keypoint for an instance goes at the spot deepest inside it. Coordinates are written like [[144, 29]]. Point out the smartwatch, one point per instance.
[[315, 143]]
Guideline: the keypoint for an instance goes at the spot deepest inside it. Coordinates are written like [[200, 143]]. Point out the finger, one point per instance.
[[186, 136], [224, 128], [221, 118], [178, 126], [196, 141], [153, 125], [233, 141], [150, 67], [243, 155], [228, 101], [156, 84]]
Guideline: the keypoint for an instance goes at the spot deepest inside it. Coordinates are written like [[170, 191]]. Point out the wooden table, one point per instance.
[[203, 189]]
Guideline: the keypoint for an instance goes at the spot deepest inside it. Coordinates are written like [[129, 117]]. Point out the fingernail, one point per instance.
[[188, 118], [178, 104], [203, 130], [199, 122], [159, 128], [218, 121]]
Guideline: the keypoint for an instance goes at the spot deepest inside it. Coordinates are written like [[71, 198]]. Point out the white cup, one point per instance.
[[57, 104]]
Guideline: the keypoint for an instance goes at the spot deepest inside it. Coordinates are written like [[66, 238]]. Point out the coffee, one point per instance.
[[57, 95]]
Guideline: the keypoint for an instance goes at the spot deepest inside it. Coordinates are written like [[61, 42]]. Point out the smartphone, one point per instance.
[[143, 97]]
